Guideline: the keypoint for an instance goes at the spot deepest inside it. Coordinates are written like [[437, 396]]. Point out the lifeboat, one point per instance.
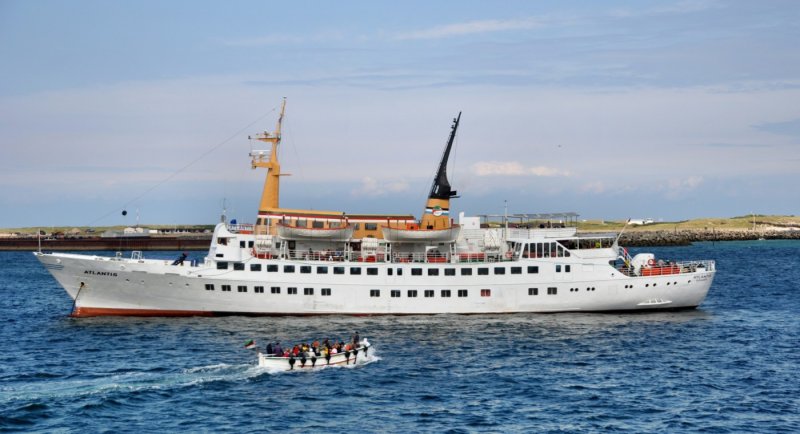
[[288, 232], [397, 235], [311, 361]]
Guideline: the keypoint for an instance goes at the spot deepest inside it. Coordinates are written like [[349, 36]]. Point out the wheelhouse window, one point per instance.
[[371, 226]]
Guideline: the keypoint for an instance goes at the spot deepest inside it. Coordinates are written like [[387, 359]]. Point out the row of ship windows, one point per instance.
[[373, 271], [394, 293]]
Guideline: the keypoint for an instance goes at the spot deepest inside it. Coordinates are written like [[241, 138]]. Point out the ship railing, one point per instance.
[[395, 257], [668, 268]]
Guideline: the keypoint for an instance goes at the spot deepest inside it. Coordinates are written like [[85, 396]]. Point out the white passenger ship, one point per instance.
[[299, 262]]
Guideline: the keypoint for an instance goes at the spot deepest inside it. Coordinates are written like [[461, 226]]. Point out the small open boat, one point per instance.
[[309, 360]]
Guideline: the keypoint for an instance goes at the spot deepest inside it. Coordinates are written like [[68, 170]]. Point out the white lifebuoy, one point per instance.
[[651, 262]]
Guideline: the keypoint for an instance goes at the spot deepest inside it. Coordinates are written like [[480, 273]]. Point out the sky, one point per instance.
[[668, 110]]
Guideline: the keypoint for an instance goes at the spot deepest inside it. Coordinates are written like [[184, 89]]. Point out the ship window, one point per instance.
[[291, 290], [486, 292], [222, 241], [552, 290], [445, 293], [372, 271], [241, 288], [433, 271], [305, 269], [255, 267], [499, 270], [272, 268], [338, 270], [533, 291], [275, 290], [371, 226], [357, 226], [416, 271], [399, 271], [566, 268], [355, 270], [316, 224], [326, 292], [226, 288], [222, 265], [449, 271], [389, 271], [258, 289], [395, 293], [462, 292], [466, 271], [301, 223], [412, 293], [322, 270], [533, 269], [238, 266], [308, 291], [428, 293], [483, 271], [516, 270], [288, 268], [242, 244], [250, 244], [558, 268], [374, 292], [209, 286]]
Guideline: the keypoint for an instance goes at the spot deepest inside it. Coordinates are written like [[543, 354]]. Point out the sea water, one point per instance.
[[730, 366]]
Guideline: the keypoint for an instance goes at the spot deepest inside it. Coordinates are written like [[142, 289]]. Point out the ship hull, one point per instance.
[[103, 286]]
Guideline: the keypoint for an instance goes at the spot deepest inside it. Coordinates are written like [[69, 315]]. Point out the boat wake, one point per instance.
[[124, 382]]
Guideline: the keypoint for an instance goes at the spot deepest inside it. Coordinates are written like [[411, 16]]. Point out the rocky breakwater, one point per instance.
[[682, 237]]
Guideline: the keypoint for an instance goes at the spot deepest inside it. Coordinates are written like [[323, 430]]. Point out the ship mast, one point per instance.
[[437, 208], [268, 158]]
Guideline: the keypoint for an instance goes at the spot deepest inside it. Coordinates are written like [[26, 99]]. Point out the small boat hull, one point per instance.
[[280, 363]]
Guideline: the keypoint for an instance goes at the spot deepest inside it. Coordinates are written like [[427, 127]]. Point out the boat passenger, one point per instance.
[[269, 349], [180, 259], [277, 350], [356, 338]]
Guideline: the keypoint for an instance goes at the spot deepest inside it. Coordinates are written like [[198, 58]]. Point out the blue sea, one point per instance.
[[730, 366]]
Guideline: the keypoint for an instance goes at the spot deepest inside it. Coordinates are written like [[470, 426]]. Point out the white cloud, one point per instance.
[[373, 188], [471, 27], [512, 168]]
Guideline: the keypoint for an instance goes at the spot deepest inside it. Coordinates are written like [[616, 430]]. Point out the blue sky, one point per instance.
[[665, 109]]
